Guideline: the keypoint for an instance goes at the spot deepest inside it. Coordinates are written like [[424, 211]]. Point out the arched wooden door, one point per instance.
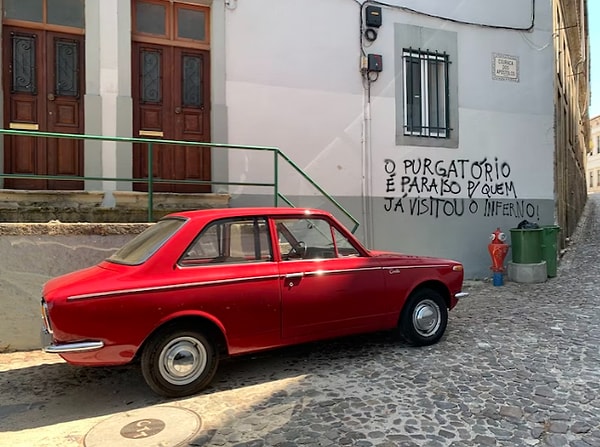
[[171, 92], [43, 80]]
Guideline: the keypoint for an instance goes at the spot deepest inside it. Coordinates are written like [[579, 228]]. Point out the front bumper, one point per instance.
[[460, 295], [52, 348]]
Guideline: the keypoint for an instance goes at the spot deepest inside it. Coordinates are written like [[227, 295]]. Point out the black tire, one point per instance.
[[424, 318], [179, 362]]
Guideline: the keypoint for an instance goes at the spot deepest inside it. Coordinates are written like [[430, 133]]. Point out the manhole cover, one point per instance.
[[156, 426]]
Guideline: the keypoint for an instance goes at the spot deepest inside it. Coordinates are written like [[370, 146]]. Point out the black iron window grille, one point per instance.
[[67, 73], [23, 64], [426, 100], [150, 81], [192, 81]]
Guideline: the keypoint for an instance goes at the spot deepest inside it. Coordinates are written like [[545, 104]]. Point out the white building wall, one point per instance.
[[593, 159], [293, 81]]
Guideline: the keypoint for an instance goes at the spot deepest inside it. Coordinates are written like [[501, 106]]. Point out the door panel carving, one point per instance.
[[171, 102], [23, 109], [43, 84]]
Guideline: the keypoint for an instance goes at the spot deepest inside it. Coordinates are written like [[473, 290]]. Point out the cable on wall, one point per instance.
[[448, 19]]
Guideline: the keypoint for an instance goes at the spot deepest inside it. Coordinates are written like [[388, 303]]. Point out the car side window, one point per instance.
[[343, 245], [310, 238], [230, 241]]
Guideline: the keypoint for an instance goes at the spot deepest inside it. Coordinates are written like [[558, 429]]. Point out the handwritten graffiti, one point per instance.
[[450, 178], [436, 207], [423, 187]]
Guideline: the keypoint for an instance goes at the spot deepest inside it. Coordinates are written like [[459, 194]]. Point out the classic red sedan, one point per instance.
[[200, 285]]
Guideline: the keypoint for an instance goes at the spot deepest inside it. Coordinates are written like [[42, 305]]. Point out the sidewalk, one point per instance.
[[519, 366]]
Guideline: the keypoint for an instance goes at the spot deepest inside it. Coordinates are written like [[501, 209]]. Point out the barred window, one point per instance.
[[426, 99]]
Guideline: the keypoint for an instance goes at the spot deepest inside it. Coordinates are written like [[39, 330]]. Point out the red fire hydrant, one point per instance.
[[498, 250]]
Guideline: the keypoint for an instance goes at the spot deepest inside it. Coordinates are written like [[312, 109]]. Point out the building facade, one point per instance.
[[571, 98], [432, 122], [593, 157]]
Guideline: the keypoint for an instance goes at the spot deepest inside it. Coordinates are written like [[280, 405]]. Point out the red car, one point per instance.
[[200, 285]]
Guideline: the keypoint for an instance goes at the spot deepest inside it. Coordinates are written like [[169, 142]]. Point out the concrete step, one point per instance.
[[98, 206]]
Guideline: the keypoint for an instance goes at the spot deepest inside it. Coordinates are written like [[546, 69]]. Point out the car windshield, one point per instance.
[[145, 244]]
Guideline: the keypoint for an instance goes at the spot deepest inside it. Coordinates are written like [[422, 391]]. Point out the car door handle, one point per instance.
[[291, 276], [294, 275]]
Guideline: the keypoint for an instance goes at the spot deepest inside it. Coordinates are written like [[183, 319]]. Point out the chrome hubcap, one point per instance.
[[182, 361], [427, 318]]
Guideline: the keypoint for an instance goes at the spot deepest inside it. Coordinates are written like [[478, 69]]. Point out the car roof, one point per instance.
[[250, 211]]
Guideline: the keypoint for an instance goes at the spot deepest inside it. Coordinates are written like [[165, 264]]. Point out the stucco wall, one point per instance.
[[593, 157], [302, 91], [31, 254]]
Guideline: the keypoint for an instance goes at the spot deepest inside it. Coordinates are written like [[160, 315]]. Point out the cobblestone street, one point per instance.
[[519, 366]]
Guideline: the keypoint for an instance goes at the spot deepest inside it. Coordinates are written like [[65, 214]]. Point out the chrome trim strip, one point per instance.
[[460, 295], [73, 347], [168, 287], [322, 272], [407, 267], [319, 272]]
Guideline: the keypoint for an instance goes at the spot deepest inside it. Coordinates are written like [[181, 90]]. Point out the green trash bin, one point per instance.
[[526, 245], [549, 251]]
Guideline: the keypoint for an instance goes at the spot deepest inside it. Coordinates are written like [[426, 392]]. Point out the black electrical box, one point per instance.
[[373, 16], [374, 62]]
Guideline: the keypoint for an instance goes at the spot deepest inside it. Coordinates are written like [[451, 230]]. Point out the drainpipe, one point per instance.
[[366, 190]]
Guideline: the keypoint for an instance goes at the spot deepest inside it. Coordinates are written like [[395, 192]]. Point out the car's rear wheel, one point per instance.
[[424, 317], [178, 363]]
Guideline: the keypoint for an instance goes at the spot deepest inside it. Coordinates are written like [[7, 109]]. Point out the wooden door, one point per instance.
[[171, 100], [43, 90]]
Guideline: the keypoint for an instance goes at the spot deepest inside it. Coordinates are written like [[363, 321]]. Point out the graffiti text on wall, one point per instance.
[[437, 185], [443, 178]]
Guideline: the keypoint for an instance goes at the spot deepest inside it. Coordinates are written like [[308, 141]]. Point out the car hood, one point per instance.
[[411, 258]]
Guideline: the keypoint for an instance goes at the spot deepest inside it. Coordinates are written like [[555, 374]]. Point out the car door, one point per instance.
[[328, 286], [234, 279]]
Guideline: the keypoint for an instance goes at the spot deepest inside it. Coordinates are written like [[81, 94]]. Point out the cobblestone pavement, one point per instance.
[[519, 366]]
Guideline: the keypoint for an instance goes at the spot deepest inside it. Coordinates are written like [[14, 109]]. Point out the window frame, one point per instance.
[[44, 24], [302, 252], [145, 245], [224, 255], [424, 59], [171, 25], [430, 40]]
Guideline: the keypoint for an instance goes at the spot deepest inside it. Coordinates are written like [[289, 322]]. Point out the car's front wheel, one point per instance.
[[424, 318], [177, 363]]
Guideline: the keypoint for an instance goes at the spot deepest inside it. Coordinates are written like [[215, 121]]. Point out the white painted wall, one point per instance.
[[293, 82], [593, 157]]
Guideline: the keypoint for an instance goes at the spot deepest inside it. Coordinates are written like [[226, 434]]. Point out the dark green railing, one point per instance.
[[150, 180]]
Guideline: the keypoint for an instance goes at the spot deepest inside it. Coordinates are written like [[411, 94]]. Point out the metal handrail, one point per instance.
[[150, 180]]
